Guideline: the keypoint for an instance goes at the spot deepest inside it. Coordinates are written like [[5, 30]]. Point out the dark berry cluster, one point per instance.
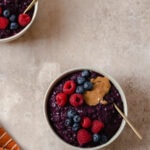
[[83, 83], [12, 18], [12, 21], [87, 130], [73, 120]]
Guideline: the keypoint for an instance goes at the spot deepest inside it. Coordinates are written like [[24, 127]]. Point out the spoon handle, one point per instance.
[[129, 123], [30, 6], [6, 141]]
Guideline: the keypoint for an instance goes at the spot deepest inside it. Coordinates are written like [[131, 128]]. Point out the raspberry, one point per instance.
[[97, 126], [3, 22], [86, 122], [1, 10], [69, 87], [24, 19], [61, 99], [83, 136], [76, 100]]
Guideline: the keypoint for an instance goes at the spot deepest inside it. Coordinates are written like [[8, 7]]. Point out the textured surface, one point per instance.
[[104, 34]]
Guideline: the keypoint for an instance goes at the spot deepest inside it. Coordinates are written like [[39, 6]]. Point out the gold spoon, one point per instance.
[[123, 116], [128, 122], [30, 6]]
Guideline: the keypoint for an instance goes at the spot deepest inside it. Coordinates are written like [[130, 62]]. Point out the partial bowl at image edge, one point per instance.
[[19, 34], [61, 76]]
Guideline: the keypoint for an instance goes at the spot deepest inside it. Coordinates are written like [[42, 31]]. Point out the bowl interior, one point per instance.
[[59, 78], [24, 29]]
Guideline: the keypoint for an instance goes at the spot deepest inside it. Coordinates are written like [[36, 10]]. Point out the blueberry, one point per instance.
[[13, 25], [104, 138], [76, 118], [75, 127], [80, 80], [88, 85], [71, 113], [12, 18], [96, 138], [80, 89], [68, 122], [85, 73], [6, 13]]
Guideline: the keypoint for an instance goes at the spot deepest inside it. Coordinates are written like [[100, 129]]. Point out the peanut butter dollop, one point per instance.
[[101, 87]]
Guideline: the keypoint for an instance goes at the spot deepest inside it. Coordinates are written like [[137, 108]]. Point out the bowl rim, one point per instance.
[[116, 84], [19, 34]]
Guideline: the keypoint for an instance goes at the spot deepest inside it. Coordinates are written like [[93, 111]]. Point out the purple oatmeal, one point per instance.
[[67, 127], [9, 16]]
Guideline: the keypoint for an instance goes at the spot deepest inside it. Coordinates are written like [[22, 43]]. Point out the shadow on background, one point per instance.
[[138, 114]]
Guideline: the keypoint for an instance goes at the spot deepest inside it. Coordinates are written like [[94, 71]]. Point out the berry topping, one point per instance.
[[1, 10], [88, 85], [83, 137], [75, 127], [6, 13], [13, 25], [69, 87], [71, 113], [96, 137], [3, 23], [80, 80], [68, 122], [76, 100], [97, 126], [12, 18], [85, 73], [80, 89], [61, 99], [76, 118], [86, 122], [80, 120], [24, 19]]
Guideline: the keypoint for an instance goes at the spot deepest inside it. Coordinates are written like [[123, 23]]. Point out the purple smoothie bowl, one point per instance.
[[56, 115], [16, 7]]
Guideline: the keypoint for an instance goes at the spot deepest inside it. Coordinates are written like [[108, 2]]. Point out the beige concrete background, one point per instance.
[[113, 35]]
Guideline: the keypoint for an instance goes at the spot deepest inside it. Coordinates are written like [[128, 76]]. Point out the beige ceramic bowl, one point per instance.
[[115, 84], [19, 34]]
